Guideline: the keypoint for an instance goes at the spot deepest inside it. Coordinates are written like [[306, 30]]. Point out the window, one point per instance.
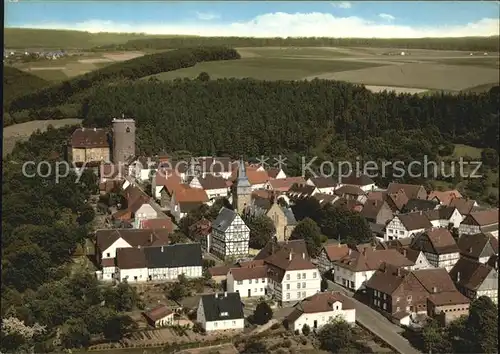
[[108, 255], [288, 277], [240, 282], [303, 285], [390, 231], [314, 275], [263, 280], [250, 281], [298, 295], [401, 232], [288, 296], [303, 275], [397, 309], [397, 299], [234, 323], [408, 298], [255, 290], [304, 294], [261, 290], [287, 286], [215, 324], [384, 306], [298, 285], [298, 276]]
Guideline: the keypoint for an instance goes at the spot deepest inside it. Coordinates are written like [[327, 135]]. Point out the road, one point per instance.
[[377, 323]]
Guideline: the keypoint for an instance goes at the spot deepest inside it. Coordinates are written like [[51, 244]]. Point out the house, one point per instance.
[[399, 293], [158, 223], [329, 254], [396, 200], [406, 225], [485, 221], [214, 186], [111, 172], [464, 205], [355, 269], [283, 185], [444, 197], [276, 173], [439, 247], [257, 178], [323, 198], [186, 199], [248, 281], [362, 181], [291, 277], [418, 257], [444, 217], [351, 193], [220, 312], [414, 205], [319, 309], [325, 185], [159, 263], [377, 212], [475, 279], [478, 247], [201, 232], [90, 145], [412, 191], [447, 307], [282, 217], [163, 184], [138, 207], [294, 246], [219, 274], [230, 236], [141, 167], [302, 191], [160, 316]]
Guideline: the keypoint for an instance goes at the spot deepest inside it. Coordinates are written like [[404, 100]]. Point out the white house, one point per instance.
[[145, 212], [329, 254], [325, 185], [248, 281], [362, 181], [418, 258], [230, 235], [142, 168], [220, 312], [355, 269], [186, 199], [274, 173], [320, 309], [439, 247], [159, 263], [406, 225], [292, 277], [215, 187]]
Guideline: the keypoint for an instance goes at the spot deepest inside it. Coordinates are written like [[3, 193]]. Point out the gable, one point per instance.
[[120, 243]]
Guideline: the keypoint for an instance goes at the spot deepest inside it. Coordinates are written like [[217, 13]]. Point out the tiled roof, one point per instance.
[[190, 195], [134, 237], [349, 190], [284, 184], [210, 182], [336, 251], [287, 261], [371, 259], [301, 190], [168, 179], [444, 197], [463, 205], [414, 221], [485, 217], [186, 207], [469, 273], [440, 242], [414, 205], [397, 200], [321, 302], [371, 208], [297, 246], [245, 273], [130, 258], [448, 298], [411, 190], [324, 198], [362, 180], [273, 172], [323, 182], [218, 270], [90, 138], [474, 245], [158, 313], [164, 223]]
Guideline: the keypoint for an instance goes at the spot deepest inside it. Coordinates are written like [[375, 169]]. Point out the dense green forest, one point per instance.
[[48, 303], [62, 93], [489, 44], [17, 83]]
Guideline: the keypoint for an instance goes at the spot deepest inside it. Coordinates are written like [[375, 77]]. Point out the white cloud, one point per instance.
[[281, 24], [342, 5], [207, 16], [387, 17]]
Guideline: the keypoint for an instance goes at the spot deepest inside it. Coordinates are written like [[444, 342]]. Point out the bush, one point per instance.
[[306, 330], [275, 326], [304, 341], [297, 332], [287, 343]]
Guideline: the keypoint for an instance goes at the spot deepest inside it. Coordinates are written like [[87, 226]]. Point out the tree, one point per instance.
[[178, 291], [75, 334], [482, 326], [434, 338], [118, 326], [336, 335], [489, 157], [255, 347], [177, 237], [343, 224], [203, 76], [261, 230], [324, 284], [262, 314], [306, 208], [306, 329], [308, 231]]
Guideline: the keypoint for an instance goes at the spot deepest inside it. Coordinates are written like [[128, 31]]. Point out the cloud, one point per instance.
[[206, 16], [387, 17], [342, 5], [280, 24]]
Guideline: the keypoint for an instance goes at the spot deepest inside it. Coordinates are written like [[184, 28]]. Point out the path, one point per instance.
[[377, 324]]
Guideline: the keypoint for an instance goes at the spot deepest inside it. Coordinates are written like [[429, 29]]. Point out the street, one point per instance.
[[377, 323]]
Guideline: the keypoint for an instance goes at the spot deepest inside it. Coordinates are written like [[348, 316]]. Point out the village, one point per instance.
[[431, 254]]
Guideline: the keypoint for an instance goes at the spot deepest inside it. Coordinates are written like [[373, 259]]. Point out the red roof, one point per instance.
[[157, 224]]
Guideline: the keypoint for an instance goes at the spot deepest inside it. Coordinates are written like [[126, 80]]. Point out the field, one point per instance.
[[20, 132], [418, 71]]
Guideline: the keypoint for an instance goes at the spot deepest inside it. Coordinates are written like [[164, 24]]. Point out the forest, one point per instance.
[[488, 44], [128, 70], [17, 83]]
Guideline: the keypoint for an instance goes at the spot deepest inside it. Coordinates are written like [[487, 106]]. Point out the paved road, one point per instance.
[[377, 323]]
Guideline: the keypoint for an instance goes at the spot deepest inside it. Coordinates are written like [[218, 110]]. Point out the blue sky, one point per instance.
[[254, 18]]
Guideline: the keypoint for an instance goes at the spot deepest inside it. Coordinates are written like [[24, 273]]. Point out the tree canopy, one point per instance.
[[261, 230]]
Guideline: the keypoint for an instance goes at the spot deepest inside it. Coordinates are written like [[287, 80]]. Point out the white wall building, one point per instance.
[[145, 212], [320, 309], [248, 282], [230, 236], [406, 225], [220, 312], [439, 247]]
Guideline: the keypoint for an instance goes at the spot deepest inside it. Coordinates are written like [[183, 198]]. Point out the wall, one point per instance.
[[448, 313], [290, 284], [257, 287], [323, 318], [110, 252], [165, 321], [131, 274], [351, 280], [173, 273], [90, 154], [145, 212], [222, 325]]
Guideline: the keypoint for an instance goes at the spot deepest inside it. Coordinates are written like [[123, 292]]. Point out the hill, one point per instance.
[[486, 44], [75, 89], [64, 39], [17, 83]]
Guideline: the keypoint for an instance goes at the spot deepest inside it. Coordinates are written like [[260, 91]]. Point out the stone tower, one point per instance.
[[123, 139], [242, 197]]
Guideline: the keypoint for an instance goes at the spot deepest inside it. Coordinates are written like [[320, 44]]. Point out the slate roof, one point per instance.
[[90, 138], [323, 182], [174, 256], [414, 205], [469, 273], [414, 221], [217, 306], [290, 217], [440, 242], [224, 219]]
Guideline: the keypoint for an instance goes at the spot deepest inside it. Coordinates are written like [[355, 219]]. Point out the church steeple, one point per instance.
[[242, 197]]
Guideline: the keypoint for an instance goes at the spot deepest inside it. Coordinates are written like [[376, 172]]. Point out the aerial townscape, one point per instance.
[[252, 186]]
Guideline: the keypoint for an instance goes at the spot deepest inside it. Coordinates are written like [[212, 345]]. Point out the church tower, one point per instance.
[[123, 140], [243, 190]]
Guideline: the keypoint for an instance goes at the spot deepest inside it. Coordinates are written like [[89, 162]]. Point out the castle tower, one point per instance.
[[123, 139], [242, 198]]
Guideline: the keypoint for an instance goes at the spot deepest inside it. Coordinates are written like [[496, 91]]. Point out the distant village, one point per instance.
[[432, 253], [16, 54]]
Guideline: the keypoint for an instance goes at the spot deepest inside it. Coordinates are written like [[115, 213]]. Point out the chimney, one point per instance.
[[420, 212], [150, 238], [363, 251], [95, 129], [404, 252], [290, 256], [434, 289], [162, 248], [399, 272], [470, 250], [303, 256], [349, 252], [225, 294], [458, 277]]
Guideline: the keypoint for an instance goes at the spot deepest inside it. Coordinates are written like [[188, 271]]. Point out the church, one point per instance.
[[230, 236]]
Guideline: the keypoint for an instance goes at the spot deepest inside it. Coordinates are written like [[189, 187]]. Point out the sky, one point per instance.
[[363, 19]]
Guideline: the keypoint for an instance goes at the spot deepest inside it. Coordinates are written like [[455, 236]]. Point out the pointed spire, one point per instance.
[[242, 169]]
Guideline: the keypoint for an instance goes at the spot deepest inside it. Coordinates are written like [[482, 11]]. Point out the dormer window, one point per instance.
[[224, 314]]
